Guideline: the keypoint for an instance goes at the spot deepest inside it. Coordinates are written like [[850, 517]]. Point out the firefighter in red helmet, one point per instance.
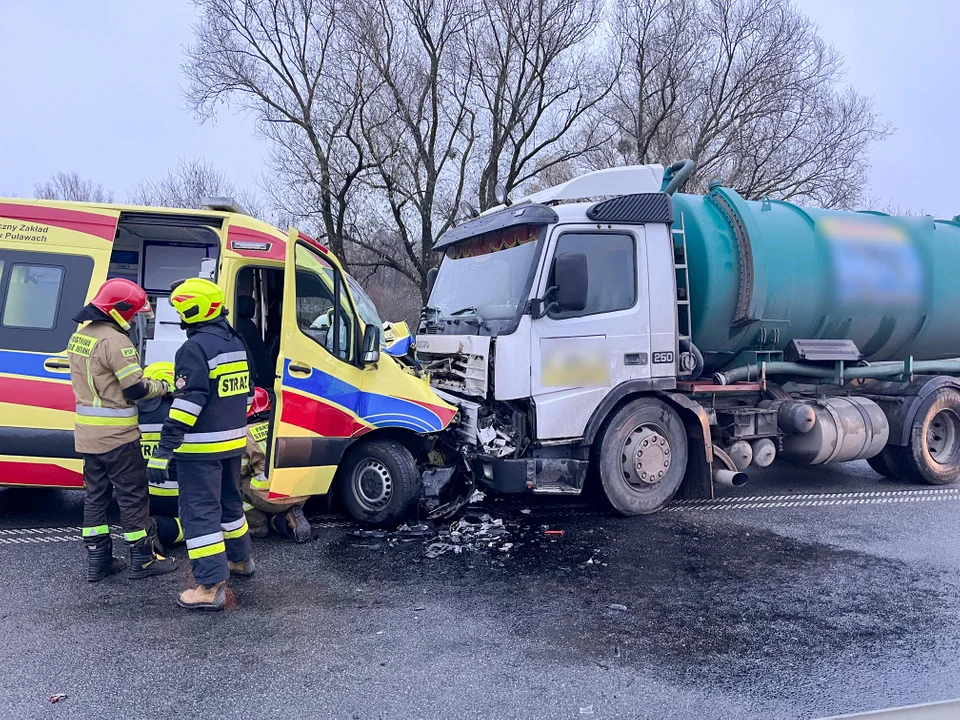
[[107, 382]]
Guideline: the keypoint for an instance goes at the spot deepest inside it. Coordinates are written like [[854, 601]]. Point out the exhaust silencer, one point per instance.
[[730, 478]]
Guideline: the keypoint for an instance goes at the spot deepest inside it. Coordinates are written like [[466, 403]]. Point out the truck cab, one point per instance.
[[343, 412], [545, 316]]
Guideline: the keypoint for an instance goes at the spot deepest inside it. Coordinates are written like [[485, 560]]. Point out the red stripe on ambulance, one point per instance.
[[101, 226]]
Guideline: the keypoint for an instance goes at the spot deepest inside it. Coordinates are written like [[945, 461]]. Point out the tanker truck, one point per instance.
[[613, 330]]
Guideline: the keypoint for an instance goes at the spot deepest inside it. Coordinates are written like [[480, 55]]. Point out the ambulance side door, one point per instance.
[[52, 260], [318, 375]]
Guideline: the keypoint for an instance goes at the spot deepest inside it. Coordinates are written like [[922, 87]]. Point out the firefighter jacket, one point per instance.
[[153, 412], [107, 379], [208, 416]]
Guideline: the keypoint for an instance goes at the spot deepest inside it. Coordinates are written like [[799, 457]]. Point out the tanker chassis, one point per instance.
[[612, 330]]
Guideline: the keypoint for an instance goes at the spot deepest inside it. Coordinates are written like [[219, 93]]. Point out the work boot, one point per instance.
[[299, 525], [244, 568], [204, 598], [281, 527], [100, 559], [146, 562]]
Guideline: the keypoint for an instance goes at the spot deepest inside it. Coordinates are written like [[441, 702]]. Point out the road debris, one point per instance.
[[477, 496], [617, 606], [588, 710], [57, 698]]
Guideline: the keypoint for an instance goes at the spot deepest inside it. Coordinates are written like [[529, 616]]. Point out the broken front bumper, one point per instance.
[[555, 476]]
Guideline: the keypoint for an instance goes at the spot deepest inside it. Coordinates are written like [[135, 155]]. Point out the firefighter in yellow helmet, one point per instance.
[[206, 433]]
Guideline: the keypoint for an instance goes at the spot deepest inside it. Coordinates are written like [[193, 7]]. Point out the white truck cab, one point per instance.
[[544, 314]]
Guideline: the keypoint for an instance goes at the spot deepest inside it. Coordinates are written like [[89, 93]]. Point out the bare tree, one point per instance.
[[746, 88], [538, 81], [70, 186], [420, 128], [285, 60], [188, 184]]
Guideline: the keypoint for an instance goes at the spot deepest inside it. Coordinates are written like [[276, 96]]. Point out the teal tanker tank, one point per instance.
[[764, 273]]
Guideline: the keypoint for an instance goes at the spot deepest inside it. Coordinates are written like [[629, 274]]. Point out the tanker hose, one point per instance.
[[950, 366], [675, 176], [687, 346]]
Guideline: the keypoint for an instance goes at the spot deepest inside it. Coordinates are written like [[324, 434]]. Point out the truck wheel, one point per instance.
[[379, 482], [933, 455], [643, 457]]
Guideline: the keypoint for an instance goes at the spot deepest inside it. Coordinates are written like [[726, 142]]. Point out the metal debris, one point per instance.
[[477, 496]]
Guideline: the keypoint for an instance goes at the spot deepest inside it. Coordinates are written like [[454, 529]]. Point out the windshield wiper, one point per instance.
[[463, 311]]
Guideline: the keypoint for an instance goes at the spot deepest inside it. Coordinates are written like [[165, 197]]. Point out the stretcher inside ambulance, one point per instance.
[[347, 415]]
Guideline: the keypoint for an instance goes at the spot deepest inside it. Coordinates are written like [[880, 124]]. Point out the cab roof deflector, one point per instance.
[[500, 220]]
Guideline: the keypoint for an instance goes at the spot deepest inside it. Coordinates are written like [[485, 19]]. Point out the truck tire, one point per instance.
[[642, 457], [933, 455], [379, 482]]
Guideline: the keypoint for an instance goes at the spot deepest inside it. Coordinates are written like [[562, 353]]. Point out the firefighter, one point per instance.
[[284, 516], [107, 382], [206, 433], [164, 497]]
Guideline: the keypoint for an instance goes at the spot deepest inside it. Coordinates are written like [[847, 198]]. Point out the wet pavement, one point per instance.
[[781, 599]]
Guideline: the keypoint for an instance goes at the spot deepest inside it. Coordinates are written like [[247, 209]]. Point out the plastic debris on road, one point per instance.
[[617, 606], [57, 698], [588, 710]]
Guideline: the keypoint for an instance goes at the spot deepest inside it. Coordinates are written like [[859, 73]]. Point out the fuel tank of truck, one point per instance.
[[764, 273]]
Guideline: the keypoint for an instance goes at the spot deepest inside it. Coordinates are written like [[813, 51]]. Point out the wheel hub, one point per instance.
[[372, 485], [943, 437], [645, 457]]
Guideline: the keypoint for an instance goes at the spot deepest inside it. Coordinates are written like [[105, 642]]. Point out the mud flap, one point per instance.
[[698, 480]]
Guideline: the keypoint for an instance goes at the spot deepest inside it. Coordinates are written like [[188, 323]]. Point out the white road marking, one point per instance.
[[880, 497]]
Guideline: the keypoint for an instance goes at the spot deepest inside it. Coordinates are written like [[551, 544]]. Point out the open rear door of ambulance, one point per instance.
[[53, 257], [317, 387]]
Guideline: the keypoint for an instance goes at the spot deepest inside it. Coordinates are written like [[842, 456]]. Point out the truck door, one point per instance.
[[576, 357], [317, 388], [52, 260]]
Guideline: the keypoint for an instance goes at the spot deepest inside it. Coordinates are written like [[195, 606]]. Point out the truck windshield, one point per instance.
[[486, 275]]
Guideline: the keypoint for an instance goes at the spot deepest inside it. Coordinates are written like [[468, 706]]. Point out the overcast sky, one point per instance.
[[95, 87]]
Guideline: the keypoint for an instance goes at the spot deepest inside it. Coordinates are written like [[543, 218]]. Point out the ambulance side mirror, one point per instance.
[[370, 347]]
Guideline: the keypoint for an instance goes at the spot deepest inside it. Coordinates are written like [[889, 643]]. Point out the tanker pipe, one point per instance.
[[675, 176], [730, 478], [878, 370]]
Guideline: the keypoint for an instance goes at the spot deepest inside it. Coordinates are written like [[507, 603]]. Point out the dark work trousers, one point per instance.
[[165, 510], [125, 471], [211, 512]]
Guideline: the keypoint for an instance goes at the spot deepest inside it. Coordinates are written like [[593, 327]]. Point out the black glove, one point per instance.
[[158, 471]]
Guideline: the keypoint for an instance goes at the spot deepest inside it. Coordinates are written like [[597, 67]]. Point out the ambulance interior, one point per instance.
[[157, 251]]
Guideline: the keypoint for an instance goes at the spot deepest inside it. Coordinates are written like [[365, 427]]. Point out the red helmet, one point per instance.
[[121, 300], [260, 404]]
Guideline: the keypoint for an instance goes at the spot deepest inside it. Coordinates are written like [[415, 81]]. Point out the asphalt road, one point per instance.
[[758, 605]]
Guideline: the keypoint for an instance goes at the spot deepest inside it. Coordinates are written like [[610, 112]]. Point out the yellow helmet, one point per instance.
[[197, 300], [160, 371]]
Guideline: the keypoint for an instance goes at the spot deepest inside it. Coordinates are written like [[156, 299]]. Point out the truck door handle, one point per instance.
[[299, 367], [56, 363]]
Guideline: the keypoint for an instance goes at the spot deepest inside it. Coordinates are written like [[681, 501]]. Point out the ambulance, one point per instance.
[[348, 416]]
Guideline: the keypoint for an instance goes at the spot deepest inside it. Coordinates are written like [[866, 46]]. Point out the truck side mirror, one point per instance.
[[570, 280], [431, 279], [370, 347]]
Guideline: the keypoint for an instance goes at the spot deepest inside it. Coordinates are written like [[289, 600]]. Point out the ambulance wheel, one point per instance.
[[642, 457], [379, 483]]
